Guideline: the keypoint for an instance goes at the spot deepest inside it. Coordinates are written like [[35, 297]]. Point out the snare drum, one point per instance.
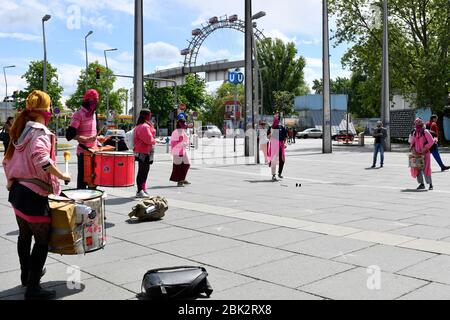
[[91, 231], [109, 169]]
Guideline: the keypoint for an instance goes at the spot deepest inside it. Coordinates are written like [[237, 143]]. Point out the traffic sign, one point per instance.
[[56, 111], [235, 77]]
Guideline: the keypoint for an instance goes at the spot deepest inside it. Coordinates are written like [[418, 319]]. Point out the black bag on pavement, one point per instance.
[[176, 283]]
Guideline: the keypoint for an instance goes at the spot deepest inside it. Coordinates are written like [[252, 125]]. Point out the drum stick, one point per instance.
[[66, 160]]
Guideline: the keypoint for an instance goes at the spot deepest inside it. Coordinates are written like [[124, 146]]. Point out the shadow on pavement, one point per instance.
[[260, 181], [109, 225], [13, 233], [163, 187], [413, 190], [119, 201], [61, 288]]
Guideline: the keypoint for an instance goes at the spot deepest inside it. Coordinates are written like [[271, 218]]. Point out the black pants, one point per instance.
[[280, 163], [80, 178], [34, 262], [5, 145], [143, 170]]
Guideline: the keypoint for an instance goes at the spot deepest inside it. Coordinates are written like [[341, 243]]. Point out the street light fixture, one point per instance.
[[6, 93], [258, 15], [44, 85], [107, 89], [85, 46]]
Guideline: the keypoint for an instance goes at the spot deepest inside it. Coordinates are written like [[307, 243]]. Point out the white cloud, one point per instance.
[[161, 51], [20, 36]]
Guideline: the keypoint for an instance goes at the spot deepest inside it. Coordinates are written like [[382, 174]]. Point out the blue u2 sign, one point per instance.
[[235, 77]]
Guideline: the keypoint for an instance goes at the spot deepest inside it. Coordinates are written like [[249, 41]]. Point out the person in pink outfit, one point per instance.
[[83, 128], [421, 141], [144, 141], [277, 145], [32, 175], [179, 141]]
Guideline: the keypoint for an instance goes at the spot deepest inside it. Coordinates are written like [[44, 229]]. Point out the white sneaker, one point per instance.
[[141, 194], [146, 194]]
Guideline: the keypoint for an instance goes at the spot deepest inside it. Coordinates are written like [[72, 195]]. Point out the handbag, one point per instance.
[[416, 161], [176, 283]]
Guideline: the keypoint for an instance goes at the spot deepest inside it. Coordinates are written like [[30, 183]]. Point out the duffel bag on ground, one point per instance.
[[176, 283], [150, 209]]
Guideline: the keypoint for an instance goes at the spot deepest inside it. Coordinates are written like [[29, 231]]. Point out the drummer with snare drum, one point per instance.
[[83, 128]]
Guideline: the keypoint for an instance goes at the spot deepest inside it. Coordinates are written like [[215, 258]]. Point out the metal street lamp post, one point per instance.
[[85, 46], [6, 93], [248, 104], [44, 85], [385, 110], [107, 88], [138, 92], [326, 126]]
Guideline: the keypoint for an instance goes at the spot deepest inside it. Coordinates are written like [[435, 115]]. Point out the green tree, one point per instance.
[[284, 102], [103, 86], [34, 79], [281, 69], [419, 32], [159, 100], [192, 92], [213, 110], [338, 86]]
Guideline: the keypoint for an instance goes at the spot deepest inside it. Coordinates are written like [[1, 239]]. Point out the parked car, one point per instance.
[[343, 135], [211, 131], [310, 133]]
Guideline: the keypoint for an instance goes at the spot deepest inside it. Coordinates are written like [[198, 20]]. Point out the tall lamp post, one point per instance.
[[385, 110], [326, 126], [6, 93], [107, 88], [138, 91], [44, 85], [85, 47], [256, 85]]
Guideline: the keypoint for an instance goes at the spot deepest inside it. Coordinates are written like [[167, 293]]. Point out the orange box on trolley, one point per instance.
[[109, 169]]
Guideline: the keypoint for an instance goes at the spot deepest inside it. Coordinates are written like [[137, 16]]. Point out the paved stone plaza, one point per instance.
[[331, 229]]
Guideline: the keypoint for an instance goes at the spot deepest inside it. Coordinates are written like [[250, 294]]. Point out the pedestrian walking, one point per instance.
[[83, 128], [294, 133], [144, 141], [421, 141], [276, 150], [32, 175], [380, 134], [263, 141], [179, 141], [5, 133], [433, 127]]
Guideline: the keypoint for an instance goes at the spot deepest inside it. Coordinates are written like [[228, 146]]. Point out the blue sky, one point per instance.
[[167, 27]]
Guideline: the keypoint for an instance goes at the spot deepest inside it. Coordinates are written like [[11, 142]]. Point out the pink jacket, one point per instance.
[[34, 149], [86, 125], [421, 143], [179, 141], [144, 138]]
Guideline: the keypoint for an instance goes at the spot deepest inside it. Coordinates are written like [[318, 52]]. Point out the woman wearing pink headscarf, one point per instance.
[[277, 144], [421, 141], [179, 141]]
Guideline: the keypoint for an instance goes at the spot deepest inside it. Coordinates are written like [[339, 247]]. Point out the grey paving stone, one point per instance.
[[197, 245], [429, 220], [237, 228], [388, 258], [353, 285], [436, 269], [259, 290], [426, 232], [242, 257], [296, 270], [432, 291], [202, 221], [132, 270], [93, 289], [156, 236], [327, 246], [333, 218], [278, 237], [110, 254], [373, 224]]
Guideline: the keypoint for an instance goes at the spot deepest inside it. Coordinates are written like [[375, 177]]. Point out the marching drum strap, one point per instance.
[[47, 187]]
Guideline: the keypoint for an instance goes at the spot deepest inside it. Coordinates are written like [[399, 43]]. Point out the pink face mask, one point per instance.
[[47, 116]]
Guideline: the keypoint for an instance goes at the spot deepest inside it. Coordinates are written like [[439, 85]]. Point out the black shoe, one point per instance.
[[280, 176], [421, 187], [444, 168], [381, 166], [24, 276], [431, 187], [274, 178], [35, 291], [373, 167]]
